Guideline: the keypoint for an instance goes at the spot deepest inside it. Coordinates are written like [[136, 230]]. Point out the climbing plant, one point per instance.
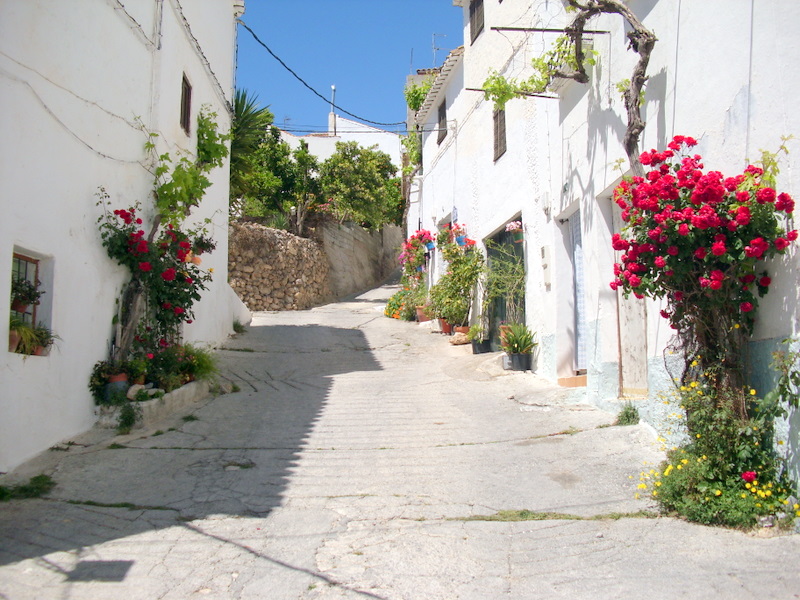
[[568, 59], [163, 262]]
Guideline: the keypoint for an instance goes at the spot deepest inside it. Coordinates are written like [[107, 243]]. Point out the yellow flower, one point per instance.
[[694, 363], [717, 492], [747, 485], [693, 384], [658, 483], [211, 270], [642, 486], [736, 326], [768, 493], [796, 507], [752, 392], [744, 495], [698, 436], [685, 461], [680, 467]]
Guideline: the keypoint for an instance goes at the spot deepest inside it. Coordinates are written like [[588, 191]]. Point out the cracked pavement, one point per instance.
[[347, 467]]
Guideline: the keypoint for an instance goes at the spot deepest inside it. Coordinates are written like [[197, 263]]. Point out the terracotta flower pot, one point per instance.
[[421, 316], [461, 329], [19, 306], [447, 329], [13, 340]]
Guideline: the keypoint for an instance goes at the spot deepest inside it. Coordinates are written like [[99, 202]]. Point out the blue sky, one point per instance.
[[363, 47]]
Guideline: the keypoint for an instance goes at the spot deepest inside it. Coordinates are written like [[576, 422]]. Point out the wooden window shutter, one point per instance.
[[499, 133], [442, 124]]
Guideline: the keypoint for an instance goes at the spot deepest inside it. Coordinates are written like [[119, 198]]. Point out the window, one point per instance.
[[186, 105], [499, 133], [475, 19], [24, 270], [442, 125]]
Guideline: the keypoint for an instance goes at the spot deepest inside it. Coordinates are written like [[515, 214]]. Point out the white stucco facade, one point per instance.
[[731, 86], [323, 145], [79, 81]]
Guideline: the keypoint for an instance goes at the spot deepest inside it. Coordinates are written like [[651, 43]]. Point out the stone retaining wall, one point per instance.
[[271, 269]]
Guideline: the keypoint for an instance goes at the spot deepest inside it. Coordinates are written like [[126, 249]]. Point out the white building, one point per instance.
[[80, 81], [731, 86], [323, 145]]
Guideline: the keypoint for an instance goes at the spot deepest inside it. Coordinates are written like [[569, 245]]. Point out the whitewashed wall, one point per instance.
[[323, 145], [74, 78]]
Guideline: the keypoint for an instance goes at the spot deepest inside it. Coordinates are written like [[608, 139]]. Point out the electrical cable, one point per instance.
[[300, 79]]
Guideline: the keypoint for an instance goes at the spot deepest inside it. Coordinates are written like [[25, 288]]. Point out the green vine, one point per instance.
[[559, 62], [415, 93], [412, 144], [623, 88], [180, 190]]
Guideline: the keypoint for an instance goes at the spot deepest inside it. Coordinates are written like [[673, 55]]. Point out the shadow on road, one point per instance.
[[235, 459]]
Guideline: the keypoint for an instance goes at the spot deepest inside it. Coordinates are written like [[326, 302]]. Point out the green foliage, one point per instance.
[[785, 363], [500, 90], [412, 144], [505, 280], [518, 339], [401, 305], [624, 85], [25, 292], [476, 332], [28, 338], [689, 484], [559, 61], [452, 295], [415, 93], [180, 188], [629, 415], [238, 327], [247, 128], [359, 185], [129, 414], [37, 486]]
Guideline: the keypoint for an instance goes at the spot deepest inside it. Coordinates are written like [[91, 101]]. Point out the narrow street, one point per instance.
[[351, 464]]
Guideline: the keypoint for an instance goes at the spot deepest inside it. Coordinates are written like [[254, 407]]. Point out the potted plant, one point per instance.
[[44, 339], [24, 293], [518, 343], [136, 369], [515, 229], [21, 336], [477, 335], [108, 378]]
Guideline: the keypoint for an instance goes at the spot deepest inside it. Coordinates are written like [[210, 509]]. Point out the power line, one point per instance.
[[301, 80]]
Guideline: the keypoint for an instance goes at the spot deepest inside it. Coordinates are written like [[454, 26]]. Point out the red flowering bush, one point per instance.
[[697, 238], [166, 267]]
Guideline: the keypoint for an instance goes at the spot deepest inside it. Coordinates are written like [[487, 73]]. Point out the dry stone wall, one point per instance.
[[270, 269]]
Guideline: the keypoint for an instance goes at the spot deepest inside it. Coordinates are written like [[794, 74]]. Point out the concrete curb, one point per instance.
[[157, 409]]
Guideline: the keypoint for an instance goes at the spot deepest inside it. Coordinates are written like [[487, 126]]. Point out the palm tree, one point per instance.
[[250, 123]]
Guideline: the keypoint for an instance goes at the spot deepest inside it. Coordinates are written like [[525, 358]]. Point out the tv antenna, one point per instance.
[[435, 48]]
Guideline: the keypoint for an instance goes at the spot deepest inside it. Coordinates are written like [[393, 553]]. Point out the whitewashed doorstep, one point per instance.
[[157, 409]]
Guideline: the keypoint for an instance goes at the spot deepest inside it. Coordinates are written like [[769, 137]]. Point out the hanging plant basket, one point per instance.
[[518, 236]]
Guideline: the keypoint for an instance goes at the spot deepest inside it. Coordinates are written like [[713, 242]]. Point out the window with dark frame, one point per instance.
[[499, 133], [186, 105], [25, 268], [442, 124], [475, 19]]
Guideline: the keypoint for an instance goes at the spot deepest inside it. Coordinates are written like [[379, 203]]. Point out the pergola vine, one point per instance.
[[640, 39]]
